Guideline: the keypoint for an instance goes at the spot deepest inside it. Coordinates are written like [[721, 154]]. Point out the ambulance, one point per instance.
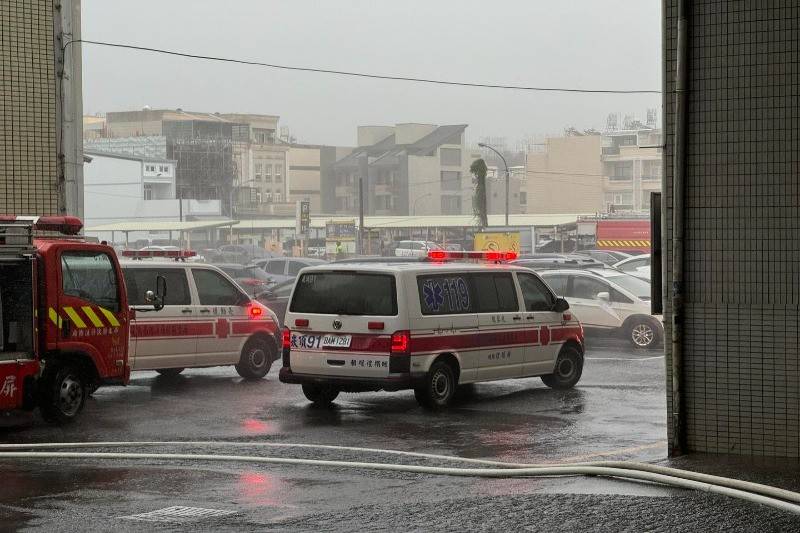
[[432, 326], [206, 320]]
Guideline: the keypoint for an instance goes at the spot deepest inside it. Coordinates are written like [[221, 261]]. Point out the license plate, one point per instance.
[[321, 341], [336, 341]]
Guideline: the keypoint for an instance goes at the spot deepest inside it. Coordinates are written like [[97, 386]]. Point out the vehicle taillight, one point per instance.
[[301, 322], [376, 325], [401, 342], [287, 338], [256, 311]]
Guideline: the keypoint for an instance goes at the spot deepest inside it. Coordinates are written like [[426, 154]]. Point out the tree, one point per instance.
[[478, 169]]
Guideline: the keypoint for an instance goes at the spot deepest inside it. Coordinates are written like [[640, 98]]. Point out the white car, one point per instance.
[[207, 320], [415, 248], [638, 265], [427, 326], [606, 299]]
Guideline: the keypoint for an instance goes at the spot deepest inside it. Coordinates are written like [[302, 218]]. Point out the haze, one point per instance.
[[610, 44]]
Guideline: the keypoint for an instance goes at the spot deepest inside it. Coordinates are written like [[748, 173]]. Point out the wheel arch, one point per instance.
[[452, 359], [627, 324], [269, 339], [82, 360]]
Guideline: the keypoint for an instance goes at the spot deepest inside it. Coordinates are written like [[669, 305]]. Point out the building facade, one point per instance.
[[309, 167], [127, 188], [736, 386], [407, 169]]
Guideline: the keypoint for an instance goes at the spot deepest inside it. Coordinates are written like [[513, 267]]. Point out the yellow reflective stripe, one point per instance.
[[54, 317], [110, 317], [93, 318], [75, 317]]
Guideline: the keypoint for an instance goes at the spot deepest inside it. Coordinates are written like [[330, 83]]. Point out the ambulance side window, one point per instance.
[[141, 280], [496, 293], [213, 289], [445, 295], [90, 276]]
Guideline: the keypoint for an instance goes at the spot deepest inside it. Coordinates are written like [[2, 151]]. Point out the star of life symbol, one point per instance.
[[9, 386], [433, 294]]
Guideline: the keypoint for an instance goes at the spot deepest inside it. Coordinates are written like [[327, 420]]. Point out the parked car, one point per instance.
[[245, 253], [277, 298], [415, 248], [281, 269], [549, 261], [638, 265], [251, 278], [606, 299], [609, 257]]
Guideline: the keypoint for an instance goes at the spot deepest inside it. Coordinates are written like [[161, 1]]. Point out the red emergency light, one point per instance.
[[66, 225], [171, 254], [489, 255]]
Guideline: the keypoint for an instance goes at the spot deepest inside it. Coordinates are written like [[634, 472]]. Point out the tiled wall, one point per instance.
[[28, 157], [742, 256]]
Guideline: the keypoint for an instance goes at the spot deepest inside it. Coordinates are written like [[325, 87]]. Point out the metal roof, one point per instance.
[[166, 225], [441, 221]]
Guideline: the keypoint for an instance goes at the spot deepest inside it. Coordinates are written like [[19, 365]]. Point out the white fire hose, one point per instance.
[[784, 500]]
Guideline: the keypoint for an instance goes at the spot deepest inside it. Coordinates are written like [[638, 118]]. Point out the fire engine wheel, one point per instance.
[[642, 333], [64, 391], [439, 387], [256, 359], [321, 395], [170, 372], [568, 370]]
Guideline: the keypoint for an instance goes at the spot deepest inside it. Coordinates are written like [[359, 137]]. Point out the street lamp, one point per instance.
[[414, 205], [508, 177]]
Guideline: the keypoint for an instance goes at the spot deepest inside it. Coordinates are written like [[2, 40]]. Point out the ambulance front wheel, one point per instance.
[[256, 359], [63, 392]]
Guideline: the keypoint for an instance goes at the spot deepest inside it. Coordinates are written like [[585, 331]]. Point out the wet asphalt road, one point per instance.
[[617, 411]]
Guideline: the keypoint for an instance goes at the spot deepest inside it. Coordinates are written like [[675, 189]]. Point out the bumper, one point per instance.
[[354, 384]]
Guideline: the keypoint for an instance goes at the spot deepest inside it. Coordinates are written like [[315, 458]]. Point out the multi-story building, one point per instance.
[[129, 188], [407, 169], [308, 167], [632, 169]]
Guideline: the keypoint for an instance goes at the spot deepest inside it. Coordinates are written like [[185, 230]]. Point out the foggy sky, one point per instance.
[[607, 44]]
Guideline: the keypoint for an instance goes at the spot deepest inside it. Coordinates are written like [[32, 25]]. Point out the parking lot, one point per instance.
[[617, 411]]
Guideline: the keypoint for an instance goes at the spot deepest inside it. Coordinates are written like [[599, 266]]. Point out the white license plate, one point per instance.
[[321, 341]]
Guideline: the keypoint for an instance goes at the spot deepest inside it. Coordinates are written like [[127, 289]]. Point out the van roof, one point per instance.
[[414, 267]]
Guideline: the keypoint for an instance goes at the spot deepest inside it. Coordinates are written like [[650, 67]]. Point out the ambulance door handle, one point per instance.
[[186, 311], [517, 317], [205, 310], [530, 317]]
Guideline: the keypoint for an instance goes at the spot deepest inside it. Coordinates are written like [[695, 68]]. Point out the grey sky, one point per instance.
[[609, 44]]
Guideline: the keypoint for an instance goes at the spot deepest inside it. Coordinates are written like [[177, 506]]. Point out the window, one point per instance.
[[619, 170], [345, 293], [495, 293], [163, 169], [651, 170], [268, 173], [557, 283], [535, 294], [214, 289], [268, 197], [90, 276], [451, 205], [523, 198], [278, 197], [587, 288], [259, 168], [295, 267], [150, 168], [147, 190], [450, 180], [276, 267], [450, 156], [141, 280], [445, 295], [278, 173]]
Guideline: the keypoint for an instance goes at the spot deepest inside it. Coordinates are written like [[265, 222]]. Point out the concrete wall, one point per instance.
[[28, 123], [409, 133], [741, 371], [304, 175], [566, 177]]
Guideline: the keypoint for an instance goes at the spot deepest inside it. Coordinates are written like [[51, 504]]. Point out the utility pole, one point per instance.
[[360, 215]]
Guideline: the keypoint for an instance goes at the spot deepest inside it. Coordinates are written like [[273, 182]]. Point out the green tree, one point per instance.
[[478, 169]]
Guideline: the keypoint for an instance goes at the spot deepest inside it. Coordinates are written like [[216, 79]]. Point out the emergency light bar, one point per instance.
[[65, 225], [489, 255], [171, 254]]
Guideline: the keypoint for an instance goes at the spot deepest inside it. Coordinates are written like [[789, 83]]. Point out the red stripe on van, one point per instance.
[[172, 329], [244, 327]]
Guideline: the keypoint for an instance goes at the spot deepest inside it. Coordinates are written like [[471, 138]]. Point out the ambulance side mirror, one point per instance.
[[561, 305], [158, 298]]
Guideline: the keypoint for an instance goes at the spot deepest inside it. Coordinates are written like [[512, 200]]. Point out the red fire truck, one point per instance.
[[63, 316]]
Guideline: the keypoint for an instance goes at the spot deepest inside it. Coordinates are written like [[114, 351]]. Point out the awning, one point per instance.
[[193, 225]]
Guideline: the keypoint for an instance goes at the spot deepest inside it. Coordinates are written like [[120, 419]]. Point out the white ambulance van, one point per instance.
[[427, 326], [207, 320]]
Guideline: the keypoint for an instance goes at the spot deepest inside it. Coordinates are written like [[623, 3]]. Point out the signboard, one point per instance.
[[303, 217], [497, 241], [340, 230]]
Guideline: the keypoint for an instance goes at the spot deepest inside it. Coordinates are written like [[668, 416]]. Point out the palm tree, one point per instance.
[[478, 169]]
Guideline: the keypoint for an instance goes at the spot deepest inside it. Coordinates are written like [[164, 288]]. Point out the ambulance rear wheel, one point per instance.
[[63, 393], [256, 359], [170, 372], [439, 387], [320, 394]]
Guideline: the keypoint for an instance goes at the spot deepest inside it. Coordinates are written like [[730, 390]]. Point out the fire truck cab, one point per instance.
[[63, 316]]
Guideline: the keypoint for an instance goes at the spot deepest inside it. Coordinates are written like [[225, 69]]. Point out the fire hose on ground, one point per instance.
[[774, 497]]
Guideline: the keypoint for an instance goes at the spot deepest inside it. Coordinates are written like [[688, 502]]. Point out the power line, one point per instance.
[[360, 74]]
